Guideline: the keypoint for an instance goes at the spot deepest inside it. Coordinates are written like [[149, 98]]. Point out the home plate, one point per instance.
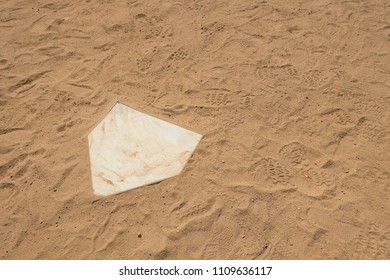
[[129, 149]]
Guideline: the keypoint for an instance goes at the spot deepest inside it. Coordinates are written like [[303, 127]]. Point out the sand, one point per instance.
[[292, 98]]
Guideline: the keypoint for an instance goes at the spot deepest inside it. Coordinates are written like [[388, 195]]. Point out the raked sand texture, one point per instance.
[[292, 97]]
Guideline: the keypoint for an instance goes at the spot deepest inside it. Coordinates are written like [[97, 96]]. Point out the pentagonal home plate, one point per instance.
[[129, 149]]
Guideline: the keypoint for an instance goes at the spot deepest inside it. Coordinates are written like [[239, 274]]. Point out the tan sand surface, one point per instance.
[[292, 97]]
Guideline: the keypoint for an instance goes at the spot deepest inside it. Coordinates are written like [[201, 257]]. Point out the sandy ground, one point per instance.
[[292, 98]]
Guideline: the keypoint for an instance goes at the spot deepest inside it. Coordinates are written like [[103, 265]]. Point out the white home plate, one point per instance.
[[130, 149]]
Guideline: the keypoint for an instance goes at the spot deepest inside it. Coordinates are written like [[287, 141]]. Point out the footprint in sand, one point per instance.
[[276, 72], [213, 35], [150, 59], [220, 245], [231, 122], [370, 130], [144, 64], [247, 101], [178, 59], [296, 174], [149, 27], [314, 128], [315, 79], [294, 152], [287, 244], [317, 183], [271, 170], [209, 29], [372, 243], [312, 180]]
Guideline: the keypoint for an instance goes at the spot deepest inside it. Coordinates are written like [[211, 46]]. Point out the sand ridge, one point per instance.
[[292, 98]]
